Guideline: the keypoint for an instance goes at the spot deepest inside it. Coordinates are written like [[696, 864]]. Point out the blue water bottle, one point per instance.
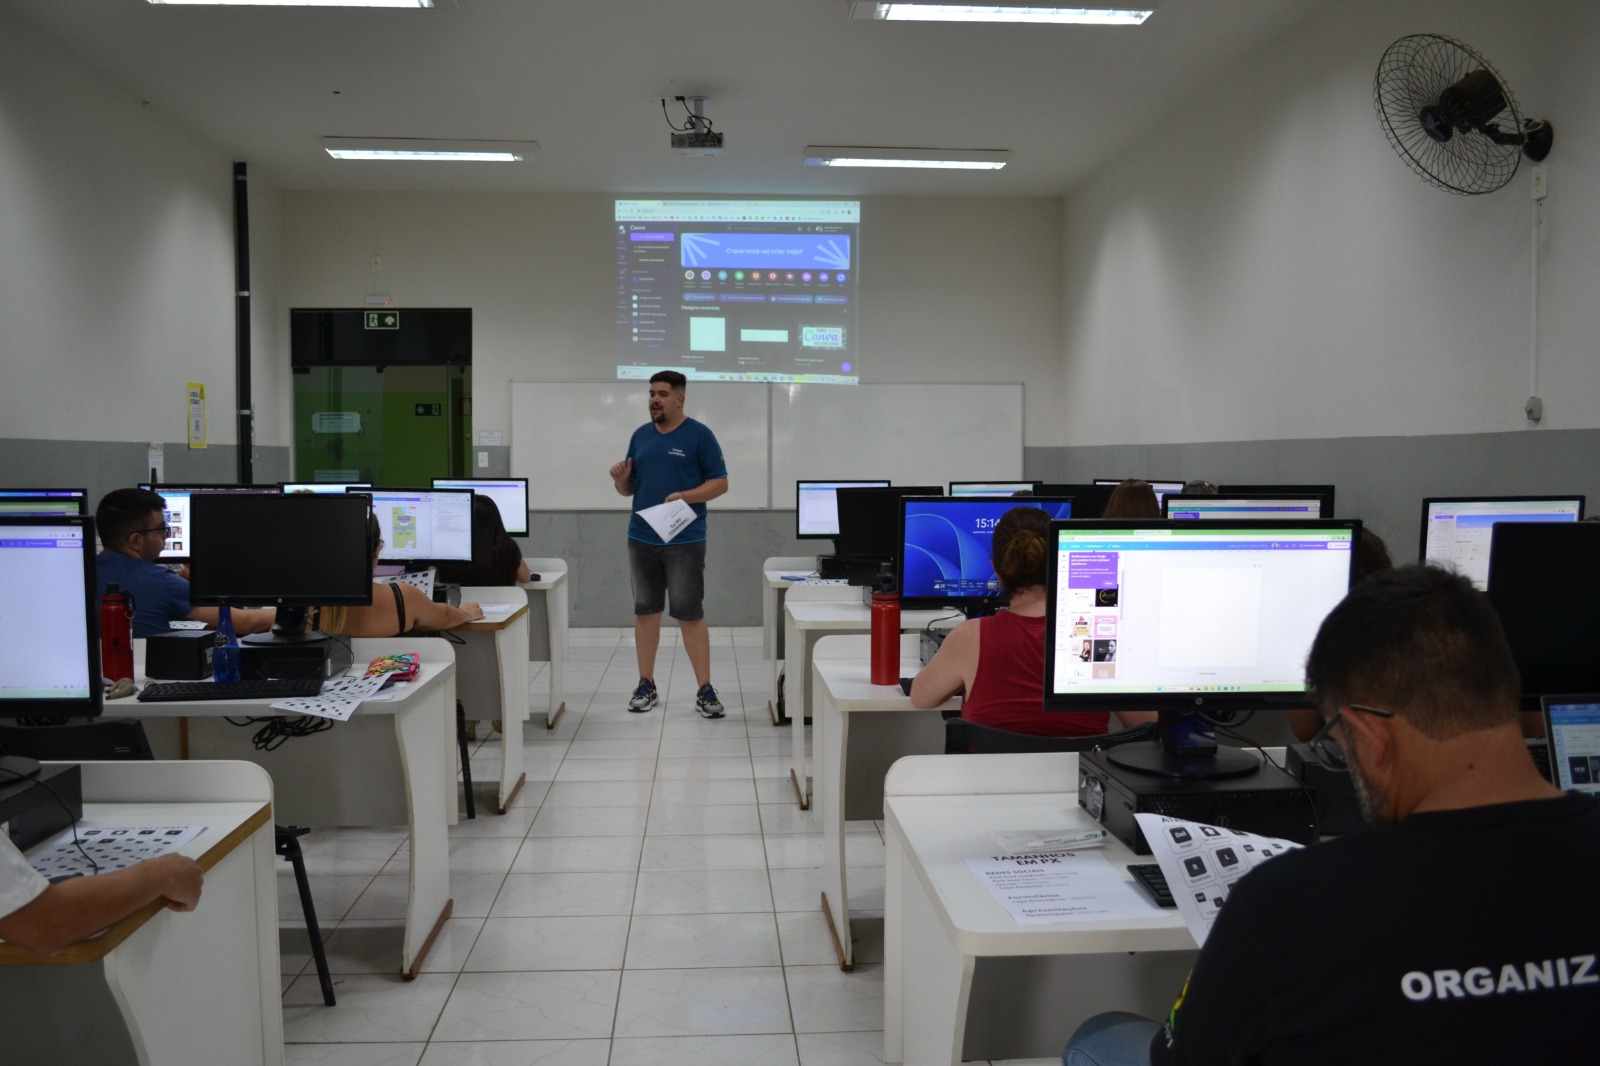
[[225, 660]]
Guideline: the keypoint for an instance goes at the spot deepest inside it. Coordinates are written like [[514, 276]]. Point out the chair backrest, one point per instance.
[[962, 737], [106, 739]]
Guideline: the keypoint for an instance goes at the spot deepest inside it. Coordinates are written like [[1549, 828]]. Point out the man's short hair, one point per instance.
[[672, 378], [123, 512], [1422, 642]]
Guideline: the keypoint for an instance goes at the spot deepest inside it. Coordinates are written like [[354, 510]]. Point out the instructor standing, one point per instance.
[[672, 457]]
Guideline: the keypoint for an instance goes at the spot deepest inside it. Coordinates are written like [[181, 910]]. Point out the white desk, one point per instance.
[[492, 679], [548, 643], [392, 763], [160, 987], [811, 612], [858, 730], [941, 924], [777, 578]]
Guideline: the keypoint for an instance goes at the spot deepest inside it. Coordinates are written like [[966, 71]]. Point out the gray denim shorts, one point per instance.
[[662, 570]]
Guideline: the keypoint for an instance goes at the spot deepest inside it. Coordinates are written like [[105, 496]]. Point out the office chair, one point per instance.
[[120, 739], [962, 737]]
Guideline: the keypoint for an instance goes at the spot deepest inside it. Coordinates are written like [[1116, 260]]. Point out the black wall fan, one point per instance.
[[1451, 116]]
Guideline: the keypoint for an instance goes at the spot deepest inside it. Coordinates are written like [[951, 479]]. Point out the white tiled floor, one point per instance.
[[652, 899]]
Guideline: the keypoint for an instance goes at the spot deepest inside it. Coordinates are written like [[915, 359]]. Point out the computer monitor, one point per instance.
[[61, 493], [1088, 499], [1324, 491], [1209, 508], [1161, 487], [423, 526], [180, 523], [1572, 732], [946, 546], [869, 519], [322, 487], [1544, 582], [1185, 617], [1456, 530], [42, 505], [510, 496], [816, 506], [291, 551], [49, 623], [992, 488]]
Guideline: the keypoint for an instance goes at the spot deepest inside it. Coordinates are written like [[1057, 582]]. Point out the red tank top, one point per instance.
[[1008, 690]]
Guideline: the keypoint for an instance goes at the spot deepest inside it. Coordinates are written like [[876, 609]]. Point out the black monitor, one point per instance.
[[993, 488], [49, 623], [869, 520], [1088, 499], [1239, 507], [816, 506], [1185, 617], [510, 496], [423, 526], [1456, 530], [946, 548], [1324, 491], [1544, 582], [322, 487], [180, 522], [1162, 486], [290, 551], [42, 505]]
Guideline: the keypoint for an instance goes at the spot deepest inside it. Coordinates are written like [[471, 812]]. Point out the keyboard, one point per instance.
[[273, 688], [1148, 876]]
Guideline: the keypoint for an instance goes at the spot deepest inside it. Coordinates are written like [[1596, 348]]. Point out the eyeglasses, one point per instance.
[[165, 531], [1326, 749]]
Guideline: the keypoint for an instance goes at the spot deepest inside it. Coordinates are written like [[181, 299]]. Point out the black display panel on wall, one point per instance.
[[388, 336]]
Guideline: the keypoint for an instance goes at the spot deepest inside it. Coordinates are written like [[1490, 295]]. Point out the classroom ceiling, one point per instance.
[[582, 78]]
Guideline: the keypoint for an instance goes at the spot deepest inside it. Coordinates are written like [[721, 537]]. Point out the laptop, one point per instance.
[[1572, 730]]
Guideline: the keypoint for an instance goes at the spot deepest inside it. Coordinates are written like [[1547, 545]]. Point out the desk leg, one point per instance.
[[894, 875], [830, 740], [772, 626], [421, 727], [555, 602], [511, 648], [798, 648], [933, 984]]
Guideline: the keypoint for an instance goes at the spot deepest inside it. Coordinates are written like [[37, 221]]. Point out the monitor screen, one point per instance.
[[323, 487], [1324, 491], [1544, 582], [869, 519], [49, 617], [1168, 615], [69, 493], [816, 506], [180, 523], [282, 550], [991, 488], [46, 505], [1456, 530], [1572, 730], [424, 525], [946, 543], [510, 496], [1214, 508]]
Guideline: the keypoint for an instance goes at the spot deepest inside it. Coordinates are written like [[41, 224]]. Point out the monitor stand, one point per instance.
[[1184, 748]]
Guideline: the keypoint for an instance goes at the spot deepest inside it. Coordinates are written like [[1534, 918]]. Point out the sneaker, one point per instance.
[[707, 702], [644, 697]]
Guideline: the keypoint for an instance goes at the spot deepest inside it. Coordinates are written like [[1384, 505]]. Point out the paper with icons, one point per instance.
[[338, 700], [1202, 863], [668, 519]]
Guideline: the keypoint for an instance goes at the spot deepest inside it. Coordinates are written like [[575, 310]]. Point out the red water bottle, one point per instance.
[[885, 638], [116, 633]]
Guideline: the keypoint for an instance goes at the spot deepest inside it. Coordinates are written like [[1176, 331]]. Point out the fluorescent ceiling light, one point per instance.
[[923, 11], [299, 3], [915, 158], [417, 148]]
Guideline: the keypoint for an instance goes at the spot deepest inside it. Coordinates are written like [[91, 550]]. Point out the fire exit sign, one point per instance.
[[383, 320]]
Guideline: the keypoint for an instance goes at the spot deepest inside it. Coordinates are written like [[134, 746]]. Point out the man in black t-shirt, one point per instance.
[[1464, 930]]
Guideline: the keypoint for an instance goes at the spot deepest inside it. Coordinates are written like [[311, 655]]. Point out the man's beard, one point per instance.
[[658, 414], [1373, 804]]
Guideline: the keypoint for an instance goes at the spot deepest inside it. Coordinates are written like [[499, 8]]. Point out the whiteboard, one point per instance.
[[565, 436], [910, 434]]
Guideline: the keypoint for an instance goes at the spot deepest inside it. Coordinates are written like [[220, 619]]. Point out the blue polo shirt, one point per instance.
[[159, 595], [664, 463]]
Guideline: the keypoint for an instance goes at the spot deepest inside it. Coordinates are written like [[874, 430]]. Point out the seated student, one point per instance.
[[998, 661], [44, 918], [496, 559], [1132, 499], [133, 530], [1462, 930], [1199, 487], [396, 609]]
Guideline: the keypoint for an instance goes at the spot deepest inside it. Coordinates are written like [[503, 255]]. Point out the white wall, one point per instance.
[[116, 263], [951, 289], [1265, 267]]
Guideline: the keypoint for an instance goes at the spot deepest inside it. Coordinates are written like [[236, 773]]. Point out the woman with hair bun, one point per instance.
[[998, 661]]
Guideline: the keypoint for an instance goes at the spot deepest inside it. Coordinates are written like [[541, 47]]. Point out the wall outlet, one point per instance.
[[483, 460], [377, 264], [1534, 408], [1540, 187]]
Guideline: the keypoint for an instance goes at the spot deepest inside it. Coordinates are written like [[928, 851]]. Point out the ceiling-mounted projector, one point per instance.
[[695, 136]]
